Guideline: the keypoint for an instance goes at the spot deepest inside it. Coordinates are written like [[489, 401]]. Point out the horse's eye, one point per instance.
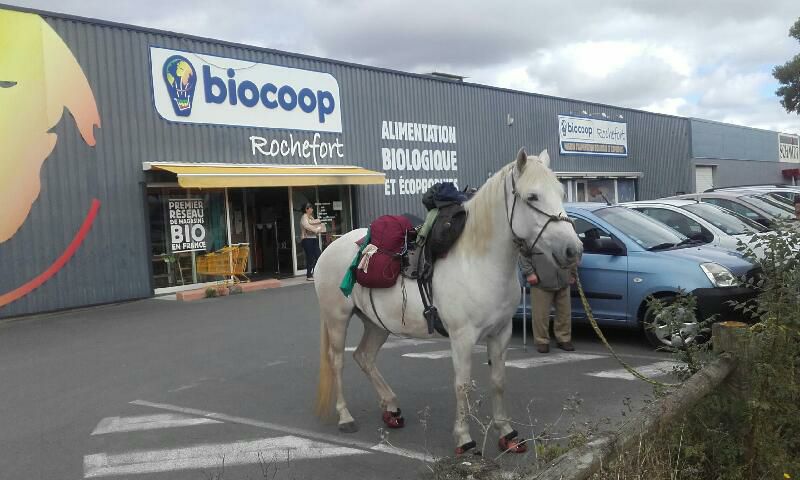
[[533, 197]]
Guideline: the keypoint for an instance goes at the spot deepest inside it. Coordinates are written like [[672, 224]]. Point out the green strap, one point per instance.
[[349, 280], [422, 235]]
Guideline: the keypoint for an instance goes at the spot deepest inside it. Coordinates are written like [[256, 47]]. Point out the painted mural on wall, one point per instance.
[[39, 78]]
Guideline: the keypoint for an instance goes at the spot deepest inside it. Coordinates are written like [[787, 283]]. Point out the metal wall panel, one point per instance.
[[113, 263], [730, 173], [714, 140]]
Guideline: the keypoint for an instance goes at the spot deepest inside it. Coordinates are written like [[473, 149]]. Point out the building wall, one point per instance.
[[741, 155], [728, 173], [113, 262]]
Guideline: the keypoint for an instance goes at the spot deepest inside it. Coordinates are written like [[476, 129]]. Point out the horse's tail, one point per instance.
[[322, 407]]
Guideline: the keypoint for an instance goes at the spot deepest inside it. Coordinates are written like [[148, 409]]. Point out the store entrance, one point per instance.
[[270, 232]]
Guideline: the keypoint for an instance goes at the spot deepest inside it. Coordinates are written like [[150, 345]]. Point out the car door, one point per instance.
[[604, 276], [686, 225]]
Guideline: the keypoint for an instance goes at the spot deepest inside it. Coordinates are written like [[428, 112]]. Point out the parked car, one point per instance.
[[704, 222], [782, 195], [629, 257], [746, 203]]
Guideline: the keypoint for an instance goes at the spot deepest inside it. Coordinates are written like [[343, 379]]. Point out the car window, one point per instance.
[[679, 222], [645, 231], [734, 207], [770, 206], [592, 236], [729, 223]]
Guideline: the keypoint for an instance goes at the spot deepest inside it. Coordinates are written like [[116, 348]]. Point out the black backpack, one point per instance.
[[445, 231]]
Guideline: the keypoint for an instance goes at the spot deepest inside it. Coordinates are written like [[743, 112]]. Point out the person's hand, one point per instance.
[[572, 280], [533, 279]]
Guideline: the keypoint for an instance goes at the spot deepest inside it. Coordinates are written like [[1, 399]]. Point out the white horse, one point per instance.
[[476, 290]]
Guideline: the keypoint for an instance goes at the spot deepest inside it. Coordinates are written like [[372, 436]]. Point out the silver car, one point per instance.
[[703, 222]]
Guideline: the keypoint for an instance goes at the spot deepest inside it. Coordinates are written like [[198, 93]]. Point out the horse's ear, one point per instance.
[[544, 158], [522, 159]]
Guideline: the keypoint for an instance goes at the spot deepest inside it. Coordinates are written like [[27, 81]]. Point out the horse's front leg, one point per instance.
[[461, 347], [497, 345]]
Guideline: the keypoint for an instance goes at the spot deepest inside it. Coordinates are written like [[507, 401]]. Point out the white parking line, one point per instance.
[[147, 422], [402, 342], [282, 428], [442, 353], [542, 360], [654, 369], [211, 456]]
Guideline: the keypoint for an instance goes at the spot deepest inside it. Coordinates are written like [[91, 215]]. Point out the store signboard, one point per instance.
[[590, 136], [198, 88], [788, 148], [186, 230]]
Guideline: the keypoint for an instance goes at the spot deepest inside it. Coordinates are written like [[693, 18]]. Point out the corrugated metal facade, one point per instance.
[[113, 264], [732, 142]]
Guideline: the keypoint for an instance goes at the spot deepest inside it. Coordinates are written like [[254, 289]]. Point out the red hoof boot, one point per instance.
[[467, 447], [511, 443], [394, 419]]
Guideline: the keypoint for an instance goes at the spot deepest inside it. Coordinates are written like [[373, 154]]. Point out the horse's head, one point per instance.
[[536, 210]]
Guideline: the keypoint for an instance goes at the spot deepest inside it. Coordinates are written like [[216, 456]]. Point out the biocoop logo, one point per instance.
[[236, 92]]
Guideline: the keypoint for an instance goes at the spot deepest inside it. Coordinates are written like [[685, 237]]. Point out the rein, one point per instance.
[[520, 242]]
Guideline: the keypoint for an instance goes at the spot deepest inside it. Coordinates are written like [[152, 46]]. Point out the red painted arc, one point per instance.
[[46, 275]]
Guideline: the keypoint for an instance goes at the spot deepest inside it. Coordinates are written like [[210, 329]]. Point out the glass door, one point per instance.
[[332, 205]]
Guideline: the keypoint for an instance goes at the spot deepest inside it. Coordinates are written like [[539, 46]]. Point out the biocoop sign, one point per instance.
[[205, 89], [589, 136]]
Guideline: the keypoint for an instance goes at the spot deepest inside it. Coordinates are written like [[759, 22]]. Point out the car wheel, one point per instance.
[[661, 333]]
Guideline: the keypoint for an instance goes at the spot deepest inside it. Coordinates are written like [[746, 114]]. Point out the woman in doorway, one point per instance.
[[310, 227]]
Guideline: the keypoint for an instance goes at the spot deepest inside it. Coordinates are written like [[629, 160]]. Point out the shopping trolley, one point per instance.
[[230, 261]]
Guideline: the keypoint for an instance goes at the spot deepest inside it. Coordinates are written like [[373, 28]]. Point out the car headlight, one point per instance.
[[719, 275]]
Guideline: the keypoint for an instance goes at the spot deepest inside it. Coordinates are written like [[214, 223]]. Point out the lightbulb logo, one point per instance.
[[39, 79], [180, 77]]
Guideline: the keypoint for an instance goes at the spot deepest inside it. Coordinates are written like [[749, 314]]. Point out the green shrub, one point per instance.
[[749, 428]]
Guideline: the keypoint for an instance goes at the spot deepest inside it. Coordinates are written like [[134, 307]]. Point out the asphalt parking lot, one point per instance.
[[158, 389]]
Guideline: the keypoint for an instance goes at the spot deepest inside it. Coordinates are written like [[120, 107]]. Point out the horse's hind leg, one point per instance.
[[337, 333], [372, 340]]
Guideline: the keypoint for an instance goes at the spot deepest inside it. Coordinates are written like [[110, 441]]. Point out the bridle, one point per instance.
[[520, 242]]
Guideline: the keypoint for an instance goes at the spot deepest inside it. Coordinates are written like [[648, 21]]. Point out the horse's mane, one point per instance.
[[482, 208]]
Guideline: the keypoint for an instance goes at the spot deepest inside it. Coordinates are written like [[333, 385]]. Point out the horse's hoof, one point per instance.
[[394, 419], [467, 447], [512, 443], [349, 427]]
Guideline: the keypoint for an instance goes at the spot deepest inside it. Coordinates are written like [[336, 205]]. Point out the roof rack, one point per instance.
[[766, 185]]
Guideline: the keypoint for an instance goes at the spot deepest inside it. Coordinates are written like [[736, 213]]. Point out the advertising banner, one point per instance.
[[205, 89], [788, 148], [186, 229], [589, 136]]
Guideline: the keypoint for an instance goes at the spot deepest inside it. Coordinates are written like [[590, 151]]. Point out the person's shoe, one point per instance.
[[310, 279], [542, 347], [566, 346]]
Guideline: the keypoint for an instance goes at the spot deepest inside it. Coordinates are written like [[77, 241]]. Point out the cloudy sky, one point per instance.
[[700, 58]]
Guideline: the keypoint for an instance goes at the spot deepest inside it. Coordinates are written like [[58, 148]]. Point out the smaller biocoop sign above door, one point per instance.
[[198, 88], [590, 136]]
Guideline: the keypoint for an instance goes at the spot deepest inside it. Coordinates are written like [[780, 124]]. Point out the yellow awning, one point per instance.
[[204, 175]]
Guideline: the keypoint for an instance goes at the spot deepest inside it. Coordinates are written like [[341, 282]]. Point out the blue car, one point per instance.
[[629, 257]]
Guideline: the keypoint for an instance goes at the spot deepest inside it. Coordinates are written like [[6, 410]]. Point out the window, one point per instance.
[[594, 238], [175, 268], [734, 207], [679, 222], [728, 222], [645, 231]]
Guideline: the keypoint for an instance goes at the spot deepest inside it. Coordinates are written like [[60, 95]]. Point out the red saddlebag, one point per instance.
[[389, 233]]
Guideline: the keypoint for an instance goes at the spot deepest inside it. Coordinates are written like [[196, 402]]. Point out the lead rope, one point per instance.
[[599, 333]]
